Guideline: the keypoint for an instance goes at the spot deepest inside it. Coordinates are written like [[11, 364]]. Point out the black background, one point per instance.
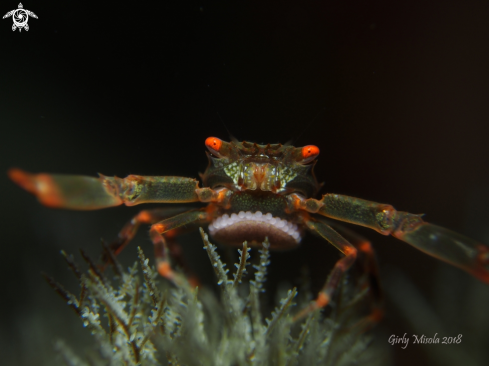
[[395, 94]]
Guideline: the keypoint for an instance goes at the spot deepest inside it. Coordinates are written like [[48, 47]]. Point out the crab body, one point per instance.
[[252, 192], [251, 217], [258, 180]]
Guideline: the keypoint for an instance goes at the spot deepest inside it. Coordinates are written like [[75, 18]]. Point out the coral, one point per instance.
[[152, 323]]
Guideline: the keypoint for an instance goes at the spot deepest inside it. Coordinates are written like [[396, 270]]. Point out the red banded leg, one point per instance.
[[341, 266], [176, 254], [168, 246], [147, 217], [368, 265], [162, 249]]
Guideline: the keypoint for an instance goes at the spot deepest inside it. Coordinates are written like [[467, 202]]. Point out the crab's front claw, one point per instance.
[[66, 191], [444, 244], [77, 192], [434, 240]]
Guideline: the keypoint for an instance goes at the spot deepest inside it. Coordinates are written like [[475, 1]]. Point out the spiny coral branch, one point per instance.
[[177, 325], [261, 268], [221, 273], [244, 255], [280, 311]]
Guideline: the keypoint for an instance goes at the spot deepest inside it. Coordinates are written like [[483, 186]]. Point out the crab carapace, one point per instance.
[[255, 191]]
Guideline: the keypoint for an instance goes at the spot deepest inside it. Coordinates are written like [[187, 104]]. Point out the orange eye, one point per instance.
[[310, 152], [213, 143]]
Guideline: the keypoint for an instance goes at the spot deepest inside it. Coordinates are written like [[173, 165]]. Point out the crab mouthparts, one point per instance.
[[259, 173], [254, 227]]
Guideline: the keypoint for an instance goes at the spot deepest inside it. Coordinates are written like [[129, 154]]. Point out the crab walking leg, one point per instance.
[[150, 217], [161, 248], [341, 266], [147, 217], [369, 266], [78, 192], [366, 257], [434, 240]]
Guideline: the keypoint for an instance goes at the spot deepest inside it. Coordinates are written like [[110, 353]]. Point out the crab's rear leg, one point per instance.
[[78, 192], [434, 240], [166, 249], [341, 266], [358, 251], [149, 217], [368, 266], [161, 248], [144, 217]]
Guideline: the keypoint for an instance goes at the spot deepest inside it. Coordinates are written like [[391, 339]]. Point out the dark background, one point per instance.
[[395, 94]]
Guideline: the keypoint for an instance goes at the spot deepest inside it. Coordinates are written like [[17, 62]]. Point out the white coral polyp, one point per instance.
[[226, 220]]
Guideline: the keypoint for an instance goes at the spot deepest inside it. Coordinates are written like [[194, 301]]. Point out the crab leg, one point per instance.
[[341, 266], [164, 246], [367, 265], [147, 217], [366, 257], [88, 193], [161, 248], [434, 240]]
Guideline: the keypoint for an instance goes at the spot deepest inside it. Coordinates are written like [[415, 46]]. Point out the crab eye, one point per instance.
[[213, 144], [310, 152]]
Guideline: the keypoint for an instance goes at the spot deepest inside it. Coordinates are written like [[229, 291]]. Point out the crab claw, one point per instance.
[[74, 192], [40, 185]]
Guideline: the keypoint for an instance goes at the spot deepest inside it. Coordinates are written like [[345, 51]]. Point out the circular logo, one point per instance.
[[20, 17]]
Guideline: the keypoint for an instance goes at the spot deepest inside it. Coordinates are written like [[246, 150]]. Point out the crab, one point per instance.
[[252, 192]]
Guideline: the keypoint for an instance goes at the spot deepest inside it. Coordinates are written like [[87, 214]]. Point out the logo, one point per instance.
[[20, 17]]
